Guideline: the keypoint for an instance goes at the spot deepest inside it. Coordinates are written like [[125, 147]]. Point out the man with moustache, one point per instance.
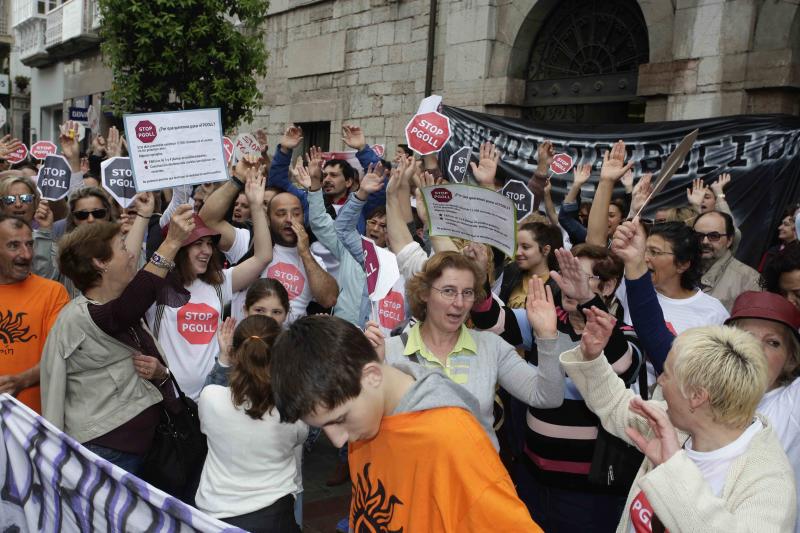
[[29, 305], [299, 271], [724, 276]]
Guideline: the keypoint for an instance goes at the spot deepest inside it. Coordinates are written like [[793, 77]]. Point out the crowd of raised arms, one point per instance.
[[616, 374]]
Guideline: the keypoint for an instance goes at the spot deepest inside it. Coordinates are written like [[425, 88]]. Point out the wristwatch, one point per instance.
[[237, 182], [160, 261]]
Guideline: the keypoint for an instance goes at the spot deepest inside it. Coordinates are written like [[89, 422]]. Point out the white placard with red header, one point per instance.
[[227, 145], [175, 148], [472, 213], [561, 164], [18, 155], [427, 133], [381, 268], [42, 149]]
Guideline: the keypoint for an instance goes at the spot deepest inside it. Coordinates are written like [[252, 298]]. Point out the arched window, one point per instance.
[[584, 63]]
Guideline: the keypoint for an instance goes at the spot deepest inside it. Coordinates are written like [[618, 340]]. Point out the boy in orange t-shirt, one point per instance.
[[29, 306], [419, 459]]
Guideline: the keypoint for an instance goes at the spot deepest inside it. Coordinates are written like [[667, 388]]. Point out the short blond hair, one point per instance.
[[727, 363]]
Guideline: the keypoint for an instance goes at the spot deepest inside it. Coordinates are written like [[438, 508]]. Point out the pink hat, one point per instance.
[[766, 306], [200, 230]]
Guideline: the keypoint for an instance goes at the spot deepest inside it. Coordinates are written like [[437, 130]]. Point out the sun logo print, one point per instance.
[[12, 330], [372, 512]]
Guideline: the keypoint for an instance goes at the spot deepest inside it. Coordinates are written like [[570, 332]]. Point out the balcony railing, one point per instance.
[[5, 27], [30, 39], [25, 10], [73, 22]]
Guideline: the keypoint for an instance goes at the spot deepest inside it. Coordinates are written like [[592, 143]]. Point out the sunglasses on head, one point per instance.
[[95, 213], [712, 236], [11, 199]]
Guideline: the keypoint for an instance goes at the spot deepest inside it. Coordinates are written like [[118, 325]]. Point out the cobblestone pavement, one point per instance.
[[323, 506]]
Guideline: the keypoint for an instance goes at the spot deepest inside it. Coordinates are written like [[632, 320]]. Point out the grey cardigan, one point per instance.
[[498, 363], [88, 382]]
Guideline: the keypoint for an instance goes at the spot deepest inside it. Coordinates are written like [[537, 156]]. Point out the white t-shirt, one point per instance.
[[780, 406], [713, 465], [188, 334], [680, 315], [286, 266], [250, 463]]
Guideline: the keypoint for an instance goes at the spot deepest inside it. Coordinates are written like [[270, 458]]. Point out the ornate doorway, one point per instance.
[[584, 63]]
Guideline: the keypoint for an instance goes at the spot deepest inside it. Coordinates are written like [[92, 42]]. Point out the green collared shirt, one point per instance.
[[458, 363]]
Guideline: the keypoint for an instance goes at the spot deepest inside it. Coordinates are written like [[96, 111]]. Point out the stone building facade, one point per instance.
[[366, 61]]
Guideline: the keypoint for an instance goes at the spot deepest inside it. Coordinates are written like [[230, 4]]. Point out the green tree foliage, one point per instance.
[[185, 54]]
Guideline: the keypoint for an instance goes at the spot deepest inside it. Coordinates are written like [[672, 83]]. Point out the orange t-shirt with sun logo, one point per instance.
[[27, 312], [433, 470]]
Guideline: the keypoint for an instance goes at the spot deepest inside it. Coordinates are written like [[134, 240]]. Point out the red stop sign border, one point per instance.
[[421, 146]]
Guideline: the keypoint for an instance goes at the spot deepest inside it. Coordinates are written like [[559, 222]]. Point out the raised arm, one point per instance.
[[144, 204], [324, 289], [398, 204], [219, 201], [614, 167], [279, 169], [248, 271]]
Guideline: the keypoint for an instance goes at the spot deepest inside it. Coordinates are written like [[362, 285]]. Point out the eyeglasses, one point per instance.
[[11, 199], [652, 252], [95, 213], [450, 294], [712, 236]]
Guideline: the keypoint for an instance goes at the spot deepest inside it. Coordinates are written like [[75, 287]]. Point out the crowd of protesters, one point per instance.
[[616, 374]]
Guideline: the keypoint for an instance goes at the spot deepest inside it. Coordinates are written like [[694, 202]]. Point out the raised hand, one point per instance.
[[664, 443], [247, 167], [353, 136], [574, 282], [375, 336], [372, 181], [696, 192], [599, 326], [397, 180], [69, 142], [486, 169], [225, 340], [144, 203], [292, 137], [98, 145], [8, 145], [43, 215], [719, 186], [302, 176], [614, 166], [314, 161], [114, 142], [641, 192], [629, 243], [544, 156], [581, 174], [479, 254], [261, 137], [627, 181], [541, 309], [181, 224], [254, 188]]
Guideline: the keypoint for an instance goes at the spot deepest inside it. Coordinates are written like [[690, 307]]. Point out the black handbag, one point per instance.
[[179, 447]]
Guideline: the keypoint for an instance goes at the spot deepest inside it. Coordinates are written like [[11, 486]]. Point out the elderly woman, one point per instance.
[[711, 462], [102, 373], [440, 298], [18, 197], [86, 206]]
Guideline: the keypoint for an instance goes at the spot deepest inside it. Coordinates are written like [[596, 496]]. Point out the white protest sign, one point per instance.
[[94, 119], [381, 268], [175, 148], [433, 103], [472, 213], [246, 144]]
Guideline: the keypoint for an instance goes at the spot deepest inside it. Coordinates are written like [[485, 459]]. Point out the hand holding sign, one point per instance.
[[353, 136], [561, 163], [486, 169], [8, 145], [144, 203], [18, 155], [43, 215], [69, 142], [544, 156]]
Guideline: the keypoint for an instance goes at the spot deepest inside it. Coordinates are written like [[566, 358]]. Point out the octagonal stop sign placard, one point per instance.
[[54, 176], [117, 179], [427, 133], [521, 195]]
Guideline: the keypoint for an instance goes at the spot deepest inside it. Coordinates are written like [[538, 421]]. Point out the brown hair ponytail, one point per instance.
[[250, 375]]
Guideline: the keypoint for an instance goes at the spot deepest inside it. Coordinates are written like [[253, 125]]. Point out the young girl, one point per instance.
[[536, 243], [252, 472]]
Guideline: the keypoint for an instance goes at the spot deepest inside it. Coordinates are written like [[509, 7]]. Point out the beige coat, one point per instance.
[[728, 278], [759, 493]]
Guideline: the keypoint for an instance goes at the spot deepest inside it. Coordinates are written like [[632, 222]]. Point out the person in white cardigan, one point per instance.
[[712, 463]]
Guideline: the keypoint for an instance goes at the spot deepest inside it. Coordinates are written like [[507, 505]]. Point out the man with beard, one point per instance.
[[724, 276], [299, 271], [29, 305]]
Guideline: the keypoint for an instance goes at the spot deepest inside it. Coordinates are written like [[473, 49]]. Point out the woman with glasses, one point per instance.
[[440, 298], [86, 206], [673, 258], [18, 198]]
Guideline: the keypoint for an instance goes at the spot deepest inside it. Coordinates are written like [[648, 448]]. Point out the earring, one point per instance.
[[104, 270], [691, 409]]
